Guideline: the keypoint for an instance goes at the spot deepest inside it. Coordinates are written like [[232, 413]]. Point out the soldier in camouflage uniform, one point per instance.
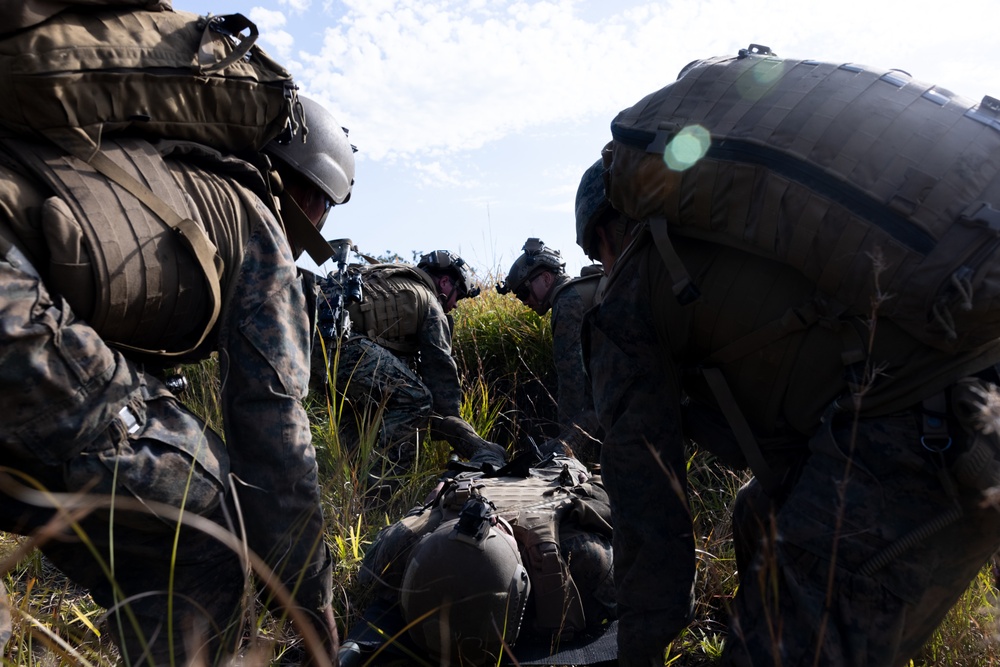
[[556, 511], [538, 279], [864, 522], [395, 367], [94, 422]]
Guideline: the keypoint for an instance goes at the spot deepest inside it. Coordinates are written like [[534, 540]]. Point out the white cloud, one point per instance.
[[434, 174], [296, 5], [267, 20], [442, 77], [276, 41]]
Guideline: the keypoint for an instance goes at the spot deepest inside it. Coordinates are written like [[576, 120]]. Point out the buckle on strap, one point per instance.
[[129, 419]]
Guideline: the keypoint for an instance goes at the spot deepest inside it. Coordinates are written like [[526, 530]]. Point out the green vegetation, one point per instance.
[[503, 354]]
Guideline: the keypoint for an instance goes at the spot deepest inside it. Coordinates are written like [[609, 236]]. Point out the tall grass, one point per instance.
[[504, 355]]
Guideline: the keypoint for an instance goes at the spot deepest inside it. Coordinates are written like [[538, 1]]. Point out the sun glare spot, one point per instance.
[[757, 81], [687, 147]]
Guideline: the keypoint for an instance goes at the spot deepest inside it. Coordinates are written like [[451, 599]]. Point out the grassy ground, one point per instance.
[[502, 350]]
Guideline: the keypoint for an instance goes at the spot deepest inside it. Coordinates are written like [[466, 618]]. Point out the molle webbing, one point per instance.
[[393, 307], [81, 76], [128, 248], [865, 181]]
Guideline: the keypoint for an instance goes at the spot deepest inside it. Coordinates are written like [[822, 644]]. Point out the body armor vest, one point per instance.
[[542, 509], [391, 313]]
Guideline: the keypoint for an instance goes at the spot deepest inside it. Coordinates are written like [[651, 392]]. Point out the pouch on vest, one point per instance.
[[392, 308]]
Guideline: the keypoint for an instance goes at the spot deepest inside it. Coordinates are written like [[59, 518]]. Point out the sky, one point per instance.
[[475, 119]]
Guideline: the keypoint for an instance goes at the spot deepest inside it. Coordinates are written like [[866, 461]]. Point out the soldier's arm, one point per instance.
[[437, 366], [264, 365], [439, 372], [577, 418]]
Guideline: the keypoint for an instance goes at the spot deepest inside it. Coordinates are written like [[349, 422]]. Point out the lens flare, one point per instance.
[[757, 81], [687, 147]]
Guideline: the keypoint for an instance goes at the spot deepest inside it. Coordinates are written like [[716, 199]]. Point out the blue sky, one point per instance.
[[474, 119]]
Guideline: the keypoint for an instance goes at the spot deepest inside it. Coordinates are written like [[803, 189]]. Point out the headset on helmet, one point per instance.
[[320, 152], [465, 588], [591, 204], [536, 256], [442, 261]]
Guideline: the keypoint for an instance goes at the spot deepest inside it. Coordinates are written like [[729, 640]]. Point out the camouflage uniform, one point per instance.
[[81, 416], [580, 429], [402, 393], [887, 592]]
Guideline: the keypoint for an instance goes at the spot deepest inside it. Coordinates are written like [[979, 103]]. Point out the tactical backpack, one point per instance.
[[544, 509], [844, 172], [81, 76]]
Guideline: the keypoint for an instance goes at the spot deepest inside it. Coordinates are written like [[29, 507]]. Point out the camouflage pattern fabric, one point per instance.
[[386, 394], [80, 416], [825, 578], [580, 429], [876, 615]]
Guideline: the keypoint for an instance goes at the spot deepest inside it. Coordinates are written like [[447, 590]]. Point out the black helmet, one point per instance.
[[442, 261], [465, 589], [536, 256], [320, 152], [591, 204]]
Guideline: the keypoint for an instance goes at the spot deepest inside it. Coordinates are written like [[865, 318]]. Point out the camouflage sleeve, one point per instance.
[[437, 367], [263, 359], [637, 397], [576, 404]]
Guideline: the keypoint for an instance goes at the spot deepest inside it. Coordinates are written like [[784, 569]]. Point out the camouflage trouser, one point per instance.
[[78, 417], [386, 395], [830, 578]]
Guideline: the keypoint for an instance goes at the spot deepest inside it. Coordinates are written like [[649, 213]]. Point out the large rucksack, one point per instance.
[[83, 75], [844, 172]]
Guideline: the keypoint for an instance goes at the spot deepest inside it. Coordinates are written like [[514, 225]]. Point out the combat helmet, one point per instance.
[[320, 152], [442, 261], [536, 256], [591, 205], [465, 588]]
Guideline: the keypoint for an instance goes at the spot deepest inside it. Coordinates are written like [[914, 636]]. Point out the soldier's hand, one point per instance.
[[489, 457]]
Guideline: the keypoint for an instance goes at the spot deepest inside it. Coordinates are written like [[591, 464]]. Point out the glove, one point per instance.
[[490, 457], [461, 436]]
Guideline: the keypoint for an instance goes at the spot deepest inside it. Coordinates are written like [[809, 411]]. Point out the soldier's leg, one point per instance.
[[834, 588], [78, 418], [637, 397], [391, 393]]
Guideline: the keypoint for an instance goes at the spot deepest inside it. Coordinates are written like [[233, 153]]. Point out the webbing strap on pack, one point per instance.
[[683, 288], [741, 429], [191, 234]]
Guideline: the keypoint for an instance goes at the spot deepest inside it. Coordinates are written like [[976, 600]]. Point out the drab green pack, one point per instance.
[[162, 74], [868, 182]]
